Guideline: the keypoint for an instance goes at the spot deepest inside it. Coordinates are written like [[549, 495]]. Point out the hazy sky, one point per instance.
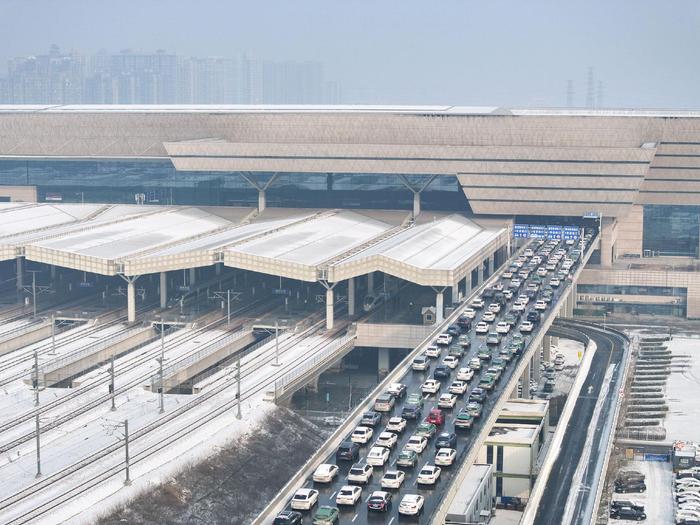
[[487, 52]]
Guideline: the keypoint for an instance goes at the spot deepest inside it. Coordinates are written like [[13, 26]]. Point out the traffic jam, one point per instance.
[[400, 458]]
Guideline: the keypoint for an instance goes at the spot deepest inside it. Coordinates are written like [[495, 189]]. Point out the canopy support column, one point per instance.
[[262, 188], [416, 192], [547, 348], [163, 289], [20, 273], [193, 276], [370, 283], [130, 296], [351, 296], [439, 305], [330, 304], [455, 293], [525, 381]]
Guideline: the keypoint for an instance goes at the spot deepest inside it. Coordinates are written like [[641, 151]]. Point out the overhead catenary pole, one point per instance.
[[112, 386], [277, 342], [127, 481], [38, 447], [162, 358], [53, 334], [238, 388], [36, 378], [228, 306]]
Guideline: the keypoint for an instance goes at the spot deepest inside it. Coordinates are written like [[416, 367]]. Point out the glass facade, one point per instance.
[[117, 181], [677, 309], [671, 230]]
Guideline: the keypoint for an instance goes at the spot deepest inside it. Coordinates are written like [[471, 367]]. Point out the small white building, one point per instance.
[[474, 500]]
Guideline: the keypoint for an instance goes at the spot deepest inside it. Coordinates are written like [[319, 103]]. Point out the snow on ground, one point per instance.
[[565, 378], [683, 390], [506, 517], [658, 499]]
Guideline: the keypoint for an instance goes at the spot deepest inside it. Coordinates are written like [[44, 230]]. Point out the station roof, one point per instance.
[[305, 244]]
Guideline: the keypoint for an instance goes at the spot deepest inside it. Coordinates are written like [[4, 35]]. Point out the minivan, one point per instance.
[[420, 363]]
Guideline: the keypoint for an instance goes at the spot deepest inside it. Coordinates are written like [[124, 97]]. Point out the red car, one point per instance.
[[436, 417]]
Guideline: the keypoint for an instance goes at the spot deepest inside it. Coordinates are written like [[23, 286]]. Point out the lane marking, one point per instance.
[[333, 495], [354, 518]]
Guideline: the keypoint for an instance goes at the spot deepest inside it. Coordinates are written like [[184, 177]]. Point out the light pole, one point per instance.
[[38, 447], [111, 384], [238, 388], [127, 481], [36, 378], [162, 357], [228, 307], [53, 334], [33, 272]]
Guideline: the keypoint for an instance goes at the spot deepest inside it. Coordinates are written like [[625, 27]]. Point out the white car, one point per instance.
[[515, 283], [447, 400], [518, 306], [494, 307], [304, 499], [482, 327], [465, 374], [540, 305], [360, 473], [523, 299], [428, 475], [502, 327], [411, 505], [420, 363], [325, 473], [417, 444], [443, 339], [475, 364], [386, 439], [508, 294], [451, 361], [469, 313], [542, 272], [433, 351], [551, 266], [458, 387], [393, 479], [528, 253], [396, 424], [526, 327], [377, 456], [477, 304], [554, 283], [498, 287], [488, 317], [431, 386], [445, 456], [348, 495], [361, 435], [507, 275]]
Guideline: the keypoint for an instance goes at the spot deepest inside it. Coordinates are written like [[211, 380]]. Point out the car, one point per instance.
[[407, 458], [508, 294], [347, 451], [518, 306], [477, 304], [411, 411], [326, 515], [386, 439], [360, 473], [512, 318], [487, 382], [465, 373], [507, 275], [443, 339], [431, 386], [474, 364], [426, 429], [502, 328], [411, 505], [534, 316], [396, 424], [625, 503], [384, 402], [505, 354], [497, 287], [501, 362], [441, 372], [457, 351], [458, 388], [469, 313], [623, 488], [379, 501], [451, 361], [325, 473], [488, 317], [478, 395], [398, 390], [445, 456], [474, 408], [428, 475], [464, 419], [540, 305], [304, 499], [415, 398], [436, 417], [493, 338], [515, 283], [484, 354], [446, 440], [453, 330], [523, 298], [448, 400], [416, 443], [542, 271], [627, 513], [554, 283], [526, 327], [420, 363], [361, 435], [433, 351], [393, 479], [551, 266], [481, 327], [348, 495], [377, 456], [370, 419], [288, 517], [495, 308], [465, 341]]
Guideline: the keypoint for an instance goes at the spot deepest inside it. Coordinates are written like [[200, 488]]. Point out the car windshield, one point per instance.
[[391, 475], [356, 471], [346, 492], [300, 496], [426, 472]]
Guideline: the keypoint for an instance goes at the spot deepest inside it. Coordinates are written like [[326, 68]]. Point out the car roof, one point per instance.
[[412, 497], [304, 491]]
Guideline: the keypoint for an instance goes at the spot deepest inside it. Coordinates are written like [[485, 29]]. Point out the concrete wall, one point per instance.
[[630, 231], [391, 335], [19, 193]]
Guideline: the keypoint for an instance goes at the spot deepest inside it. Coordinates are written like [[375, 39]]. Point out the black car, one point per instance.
[[379, 501], [627, 513], [488, 293], [446, 440], [348, 451], [478, 394], [453, 330], [441, 371], [634, 486], [464, 323], [371, 419], [531, 293], [625, 503], [411, 412], [533, 316], [288, 517]]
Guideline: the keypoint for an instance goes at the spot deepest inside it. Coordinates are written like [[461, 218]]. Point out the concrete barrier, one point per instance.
[[391, 335], [24, 337]]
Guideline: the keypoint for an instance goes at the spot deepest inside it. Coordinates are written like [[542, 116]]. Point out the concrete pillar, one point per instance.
[[525, 381], [455, 293], [163, 289], [329, 308], [481, 274], [131, 301], [193, 276], [536, 362], [467, 285], [217, 268], [20, 274], [383, 360], [439, 308], [491, 268], [513, 393], [416, 204], [53, 271], [547, 348], [370, 283], [351, 296], [262, 201]]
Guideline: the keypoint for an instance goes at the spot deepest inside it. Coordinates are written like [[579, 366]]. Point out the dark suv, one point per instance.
[[533, 316], [288, 517], [348, 451], [410, 411], [627, 513]]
